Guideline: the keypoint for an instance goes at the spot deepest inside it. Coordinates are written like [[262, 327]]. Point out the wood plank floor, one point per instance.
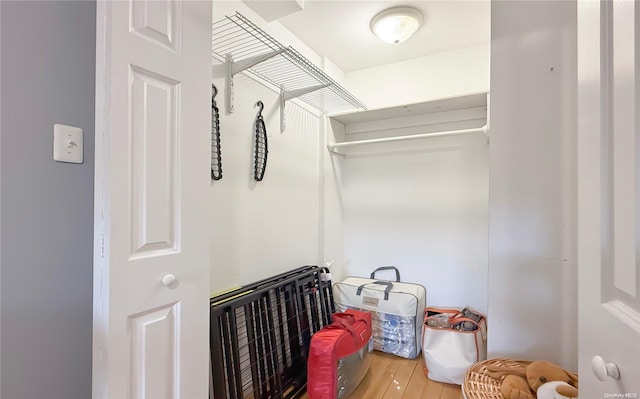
[[392, 377]]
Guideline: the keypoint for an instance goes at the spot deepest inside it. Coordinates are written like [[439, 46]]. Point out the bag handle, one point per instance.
[[483, 321], [340, 324], [437, 311], [388, 284], [459, 316], [456, 320], [373, 273], [348, 317]]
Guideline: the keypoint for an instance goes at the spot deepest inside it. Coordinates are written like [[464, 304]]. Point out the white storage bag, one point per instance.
[[450, 350], [397, 310]]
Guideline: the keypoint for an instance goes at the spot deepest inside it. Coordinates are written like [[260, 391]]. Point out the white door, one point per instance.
[[151, 287], [608, 200]]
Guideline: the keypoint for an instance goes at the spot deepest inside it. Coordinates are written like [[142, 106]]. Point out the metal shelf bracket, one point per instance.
[[286, 95], [235, 67]]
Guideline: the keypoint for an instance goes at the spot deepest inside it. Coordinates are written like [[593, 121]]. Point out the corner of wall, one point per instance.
[[333, 231]]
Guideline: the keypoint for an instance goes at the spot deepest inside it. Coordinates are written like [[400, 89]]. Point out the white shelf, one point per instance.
[[470, 101], [437, 118], [242, 45]]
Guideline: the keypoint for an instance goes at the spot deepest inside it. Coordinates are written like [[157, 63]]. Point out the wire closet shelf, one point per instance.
[[242, 45]]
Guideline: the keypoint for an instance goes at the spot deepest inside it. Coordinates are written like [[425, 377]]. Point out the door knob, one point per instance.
[[168, 279], [604, 370]]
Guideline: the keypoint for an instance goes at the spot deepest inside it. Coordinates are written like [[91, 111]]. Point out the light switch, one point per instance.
[[67, 143]]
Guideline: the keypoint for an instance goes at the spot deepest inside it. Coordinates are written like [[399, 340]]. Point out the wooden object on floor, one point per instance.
[[392, 377]]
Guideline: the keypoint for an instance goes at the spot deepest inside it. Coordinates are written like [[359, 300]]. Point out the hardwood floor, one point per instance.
[[392, 377]]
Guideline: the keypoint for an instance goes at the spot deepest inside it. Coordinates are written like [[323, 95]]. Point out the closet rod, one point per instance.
[[333, 146]]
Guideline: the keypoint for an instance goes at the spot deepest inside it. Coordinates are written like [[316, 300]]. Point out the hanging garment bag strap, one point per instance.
[[388, 284], [373, 273]]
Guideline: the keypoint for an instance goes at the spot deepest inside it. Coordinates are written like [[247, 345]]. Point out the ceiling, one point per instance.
[[340, 30]]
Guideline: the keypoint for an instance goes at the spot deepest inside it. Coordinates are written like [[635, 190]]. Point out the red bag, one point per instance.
[[337, 355]]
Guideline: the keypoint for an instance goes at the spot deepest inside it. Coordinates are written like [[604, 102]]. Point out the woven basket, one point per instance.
[[477, 383]]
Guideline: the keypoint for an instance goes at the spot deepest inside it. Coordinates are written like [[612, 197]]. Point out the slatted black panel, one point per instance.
[[260, 334]]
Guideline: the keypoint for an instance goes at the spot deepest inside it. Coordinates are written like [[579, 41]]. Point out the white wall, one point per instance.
[[264, 228], [532, 256], [421, 206], [445, 74]]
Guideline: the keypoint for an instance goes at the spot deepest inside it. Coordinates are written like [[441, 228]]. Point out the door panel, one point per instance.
[[151, 288], [621, 77], [154, 344], [608, 200], [155, 133], [157, 21]]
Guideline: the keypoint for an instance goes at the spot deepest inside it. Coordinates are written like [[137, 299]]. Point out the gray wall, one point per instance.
[[532, 192], [46, 214]]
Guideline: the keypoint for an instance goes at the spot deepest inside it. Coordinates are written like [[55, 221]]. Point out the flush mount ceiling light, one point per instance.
[[397, 24]]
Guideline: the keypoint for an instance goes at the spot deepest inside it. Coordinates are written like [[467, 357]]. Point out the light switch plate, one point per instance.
[[67, 144]]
